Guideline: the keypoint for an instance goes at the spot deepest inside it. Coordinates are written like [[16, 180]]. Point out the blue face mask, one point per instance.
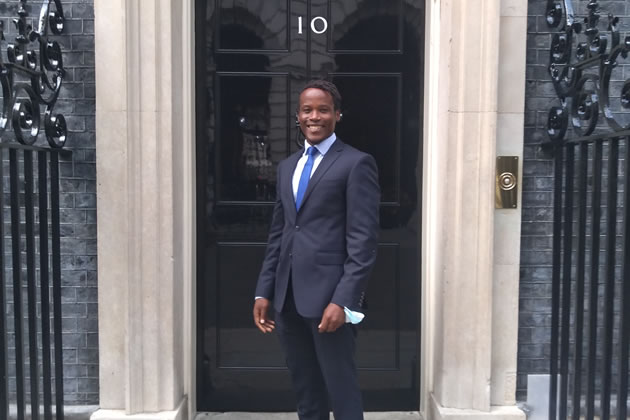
[[353, 317]]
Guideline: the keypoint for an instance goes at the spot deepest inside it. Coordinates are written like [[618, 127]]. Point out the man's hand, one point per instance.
[[261, 305], [333, 318]]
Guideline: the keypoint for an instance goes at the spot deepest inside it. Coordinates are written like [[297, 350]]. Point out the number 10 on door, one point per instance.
[[319, 25]]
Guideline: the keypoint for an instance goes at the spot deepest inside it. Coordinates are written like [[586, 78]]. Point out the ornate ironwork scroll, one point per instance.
[[581, 61], [32, 75]]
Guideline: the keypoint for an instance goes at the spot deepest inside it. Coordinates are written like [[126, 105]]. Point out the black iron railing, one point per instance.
[[591, 238], [31, 238], [30, 273]]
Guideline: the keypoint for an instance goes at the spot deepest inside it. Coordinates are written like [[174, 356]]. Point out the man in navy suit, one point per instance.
[[321, 249]]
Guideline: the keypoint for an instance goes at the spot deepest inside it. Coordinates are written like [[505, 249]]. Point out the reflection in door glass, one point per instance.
[[381, 20], [251, 136], [267, 19]]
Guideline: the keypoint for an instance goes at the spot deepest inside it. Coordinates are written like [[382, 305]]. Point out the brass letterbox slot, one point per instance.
[[506, 187]]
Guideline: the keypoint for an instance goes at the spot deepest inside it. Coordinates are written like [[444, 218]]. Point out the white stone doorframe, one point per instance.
[[474, 107], [145, 122]]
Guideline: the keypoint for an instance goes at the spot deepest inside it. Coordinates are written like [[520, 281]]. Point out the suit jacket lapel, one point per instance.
[[329, 158]]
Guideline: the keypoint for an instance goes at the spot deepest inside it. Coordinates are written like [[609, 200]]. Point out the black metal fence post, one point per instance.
[[56, 272], [31, 286], [624, 328], [42, 160], [4, 333], [16, 267]]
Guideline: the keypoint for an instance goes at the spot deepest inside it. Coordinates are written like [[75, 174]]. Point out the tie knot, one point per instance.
[[311, 151]]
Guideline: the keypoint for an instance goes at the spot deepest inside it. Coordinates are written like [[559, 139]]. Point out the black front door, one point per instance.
[[253, 56]]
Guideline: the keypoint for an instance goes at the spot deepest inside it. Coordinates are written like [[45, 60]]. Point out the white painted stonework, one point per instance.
[[473, 111], [474, 104], [145, 206]]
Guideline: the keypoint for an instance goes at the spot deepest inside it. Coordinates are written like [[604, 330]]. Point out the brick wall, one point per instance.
[[78, 197]]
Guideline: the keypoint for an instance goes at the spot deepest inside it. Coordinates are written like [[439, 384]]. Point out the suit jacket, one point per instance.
[[328, 247]]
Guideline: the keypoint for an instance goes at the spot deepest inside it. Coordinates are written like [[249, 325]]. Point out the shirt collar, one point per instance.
[[323, 146]]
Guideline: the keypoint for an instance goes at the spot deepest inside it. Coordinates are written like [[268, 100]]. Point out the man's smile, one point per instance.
[[314, 127]]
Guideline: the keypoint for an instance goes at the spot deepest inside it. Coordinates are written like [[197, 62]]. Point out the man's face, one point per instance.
[[317, 115]]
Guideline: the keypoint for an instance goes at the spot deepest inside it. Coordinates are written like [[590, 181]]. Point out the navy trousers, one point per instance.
[[321, 364]]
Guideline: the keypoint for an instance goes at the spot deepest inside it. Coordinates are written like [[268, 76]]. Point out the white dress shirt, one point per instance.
[[322, 149]]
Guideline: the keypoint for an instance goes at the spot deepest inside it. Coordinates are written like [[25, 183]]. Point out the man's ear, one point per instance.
[[338, 115]]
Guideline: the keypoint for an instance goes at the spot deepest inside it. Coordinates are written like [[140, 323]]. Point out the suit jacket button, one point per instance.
[[297, 228]]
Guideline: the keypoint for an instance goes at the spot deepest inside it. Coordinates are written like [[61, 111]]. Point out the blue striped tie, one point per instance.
[[306, 175]]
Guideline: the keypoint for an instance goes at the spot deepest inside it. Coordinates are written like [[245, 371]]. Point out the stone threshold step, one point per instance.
[[293, 416]]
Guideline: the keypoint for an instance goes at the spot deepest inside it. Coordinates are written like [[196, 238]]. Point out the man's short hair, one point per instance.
[[326, 86]]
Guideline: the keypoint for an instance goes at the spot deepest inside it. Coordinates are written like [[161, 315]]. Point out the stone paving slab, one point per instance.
[[293, 416], [81, 412]]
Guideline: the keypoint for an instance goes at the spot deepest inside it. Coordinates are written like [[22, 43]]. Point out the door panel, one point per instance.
[[378, 136], [381, 20], [253, 57], [251, 134], [267, 22]]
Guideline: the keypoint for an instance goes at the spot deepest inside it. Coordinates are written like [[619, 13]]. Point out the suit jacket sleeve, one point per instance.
[[267, 276], [362, 226]]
